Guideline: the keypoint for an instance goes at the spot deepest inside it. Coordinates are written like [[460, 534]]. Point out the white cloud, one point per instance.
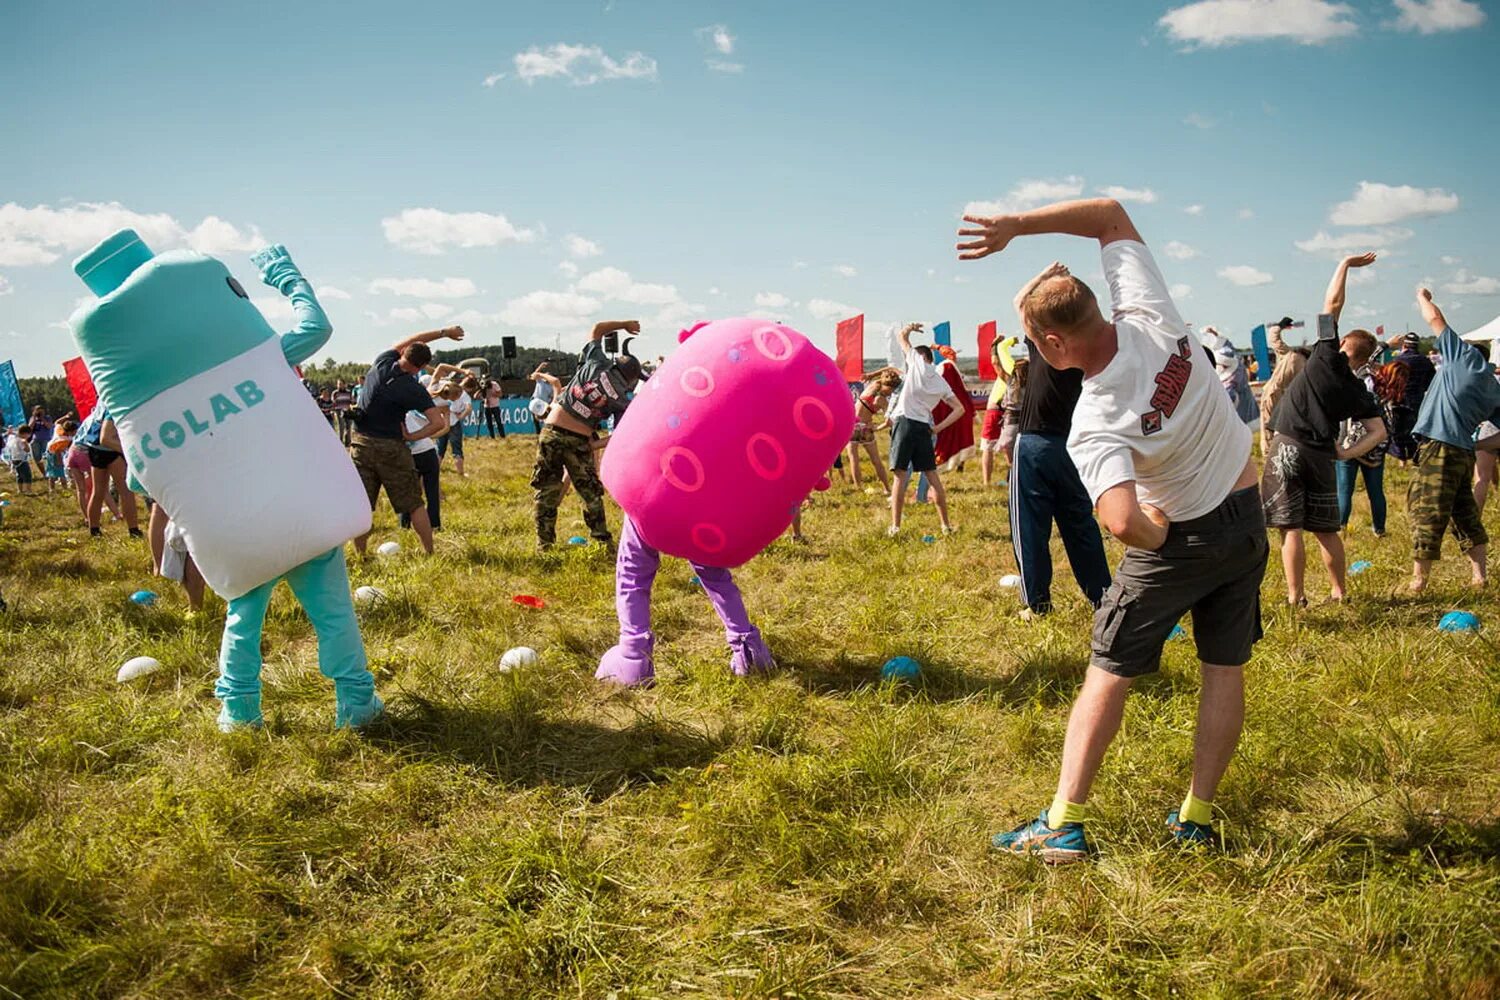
[[422, 313], [332, 293], [676, 313], [799, 264], [1180, 251], [772, 300], [1450, 261], [718, 36], [273, 307], [1180, 291], [580, 65], [1363, 276], [5, 288], [1028, 194], [1215, 23], [1145, 196], [568, 267], [1432, 16], [1244, 276], [425, 288], [844, 270], [42, 234], [549, 310], [1340, 244], [617, 286], [1245, 213], [431, 230], [721, 66], [715, 291], [580, 247], [1194, 210], [1199, 120], [1376, 204], [1464, 283], [828, 309]]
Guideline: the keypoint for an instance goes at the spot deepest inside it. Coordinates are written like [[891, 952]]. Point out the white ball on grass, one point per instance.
[[369, 595], [388, 548], [139, 666], [521, 656], [1010, 581]]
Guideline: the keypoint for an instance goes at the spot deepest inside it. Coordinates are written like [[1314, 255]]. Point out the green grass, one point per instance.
[[818, 834]]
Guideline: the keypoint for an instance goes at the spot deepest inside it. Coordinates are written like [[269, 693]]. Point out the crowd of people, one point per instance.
[[1131, 423]]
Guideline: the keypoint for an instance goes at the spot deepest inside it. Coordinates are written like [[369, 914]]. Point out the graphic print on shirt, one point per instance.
[[1171, 383]]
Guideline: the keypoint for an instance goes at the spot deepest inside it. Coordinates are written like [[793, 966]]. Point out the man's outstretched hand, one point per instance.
[[991, 236]]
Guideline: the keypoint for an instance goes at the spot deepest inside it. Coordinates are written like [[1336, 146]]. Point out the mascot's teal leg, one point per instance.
[[322, 586], [239, 658]]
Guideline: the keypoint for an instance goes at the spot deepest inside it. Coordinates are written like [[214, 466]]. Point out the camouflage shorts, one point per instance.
[[1441, 496]]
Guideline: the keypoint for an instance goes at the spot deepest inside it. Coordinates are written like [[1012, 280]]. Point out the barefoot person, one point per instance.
[[1462, 395], [868, 409], [1299, 485], [1164, 456], [922, 388]]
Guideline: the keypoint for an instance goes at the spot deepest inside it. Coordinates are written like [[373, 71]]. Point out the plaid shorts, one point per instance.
[[1441, 495], [387, 462]]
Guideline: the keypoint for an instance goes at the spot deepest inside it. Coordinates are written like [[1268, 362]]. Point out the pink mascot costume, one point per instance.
[[710, 463]]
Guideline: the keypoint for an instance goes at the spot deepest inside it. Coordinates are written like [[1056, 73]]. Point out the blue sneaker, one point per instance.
[[1191, 834], [358, 716], [1060, 846]]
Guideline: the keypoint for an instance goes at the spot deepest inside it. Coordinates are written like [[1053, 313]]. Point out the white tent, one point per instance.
[[1490, 331]]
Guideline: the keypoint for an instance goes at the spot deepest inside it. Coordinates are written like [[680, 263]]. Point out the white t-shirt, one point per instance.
[[922, 388], [415, 421], [1156, 414], [459, 408]]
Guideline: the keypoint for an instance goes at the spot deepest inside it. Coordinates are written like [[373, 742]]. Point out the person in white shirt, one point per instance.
[[922, 388], [424, 455], [1167, 462]]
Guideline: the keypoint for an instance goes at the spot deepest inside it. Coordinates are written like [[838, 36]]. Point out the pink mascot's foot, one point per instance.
[[629, 663], [749, 654]]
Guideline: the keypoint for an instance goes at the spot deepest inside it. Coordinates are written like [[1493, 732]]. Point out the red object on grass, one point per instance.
[[528, 601]]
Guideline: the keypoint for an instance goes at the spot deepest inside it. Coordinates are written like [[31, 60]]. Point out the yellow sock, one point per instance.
[[1196, 810], [1062, 811]]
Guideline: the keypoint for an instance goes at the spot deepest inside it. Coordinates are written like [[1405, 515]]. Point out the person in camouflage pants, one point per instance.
[[557, 451], [1441, 493]]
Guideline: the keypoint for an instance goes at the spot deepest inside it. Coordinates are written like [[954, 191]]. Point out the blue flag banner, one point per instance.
[[11, 410], [942, 334], [514, 417], [1262, 353]]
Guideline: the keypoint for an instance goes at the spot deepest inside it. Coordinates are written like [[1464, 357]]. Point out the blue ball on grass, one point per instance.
[[1359, 567], [144, 598], [578, 540], [901, 668], [1459, 621]]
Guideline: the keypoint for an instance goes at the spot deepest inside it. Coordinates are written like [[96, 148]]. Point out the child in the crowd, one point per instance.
[[170, 557], [424, 454], [62, 440], [17, 454], [869, 408]]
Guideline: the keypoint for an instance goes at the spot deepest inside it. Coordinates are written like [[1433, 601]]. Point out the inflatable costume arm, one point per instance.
[[313, 329]]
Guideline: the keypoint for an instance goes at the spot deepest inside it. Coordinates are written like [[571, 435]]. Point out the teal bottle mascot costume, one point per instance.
[[220, 431]]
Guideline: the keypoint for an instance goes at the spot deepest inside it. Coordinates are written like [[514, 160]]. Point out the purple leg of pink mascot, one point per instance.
[[630, 662]]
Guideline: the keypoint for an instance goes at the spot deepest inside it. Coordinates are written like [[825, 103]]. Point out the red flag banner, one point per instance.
[[987, 334], [81, 386], [851, 347]]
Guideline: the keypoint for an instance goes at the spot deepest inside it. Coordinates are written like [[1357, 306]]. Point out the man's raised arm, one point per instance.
[[1333, 300], [451, 332], [1102, 219], [1430, 312], [611, 325]]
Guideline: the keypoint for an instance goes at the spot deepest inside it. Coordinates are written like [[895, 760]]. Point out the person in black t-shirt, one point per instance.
[[1044, 485], [1298, 486], [378, 444]]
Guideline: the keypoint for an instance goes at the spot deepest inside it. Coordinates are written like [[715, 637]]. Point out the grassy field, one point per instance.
[[818, 834]]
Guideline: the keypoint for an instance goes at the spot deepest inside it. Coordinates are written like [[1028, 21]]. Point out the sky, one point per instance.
[[530, 169]]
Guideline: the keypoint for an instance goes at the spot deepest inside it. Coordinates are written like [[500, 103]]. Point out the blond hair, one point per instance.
[[1061, 305]]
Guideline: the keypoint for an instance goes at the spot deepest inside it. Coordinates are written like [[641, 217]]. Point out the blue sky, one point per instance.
[[531, 168]]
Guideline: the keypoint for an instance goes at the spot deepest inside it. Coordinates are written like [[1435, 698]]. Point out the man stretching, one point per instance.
[[1299, 487], [922, 388], [1463, 394], [1167, 462]]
